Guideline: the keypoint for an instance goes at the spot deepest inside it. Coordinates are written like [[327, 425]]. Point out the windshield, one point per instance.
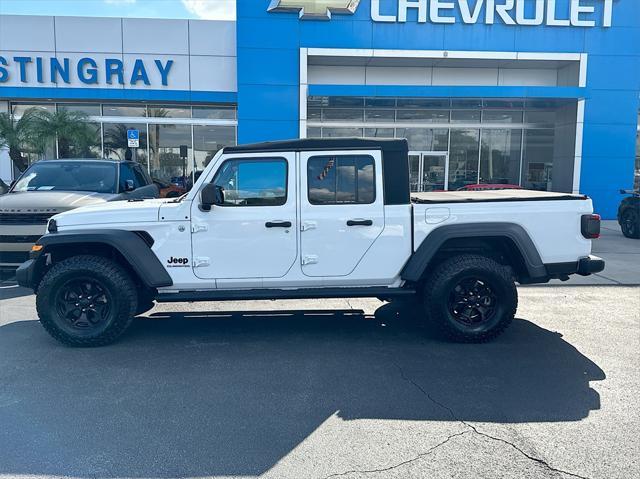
[[69, 176]]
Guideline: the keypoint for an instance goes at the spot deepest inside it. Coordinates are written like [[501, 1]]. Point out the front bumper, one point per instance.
[[25, 274]]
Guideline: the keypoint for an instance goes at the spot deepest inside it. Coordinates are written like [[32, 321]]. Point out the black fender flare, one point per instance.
[[419, 261], [129, 244]]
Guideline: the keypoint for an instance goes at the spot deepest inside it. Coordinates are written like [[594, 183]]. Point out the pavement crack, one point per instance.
[[475, 430], [400, 464]]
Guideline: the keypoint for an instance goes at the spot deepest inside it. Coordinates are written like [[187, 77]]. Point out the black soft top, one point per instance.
[[395, 158]]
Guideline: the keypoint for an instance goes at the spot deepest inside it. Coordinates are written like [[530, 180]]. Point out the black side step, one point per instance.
[[308, 293]]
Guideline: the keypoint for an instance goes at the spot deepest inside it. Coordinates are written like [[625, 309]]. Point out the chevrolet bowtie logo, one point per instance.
[[315, 9]]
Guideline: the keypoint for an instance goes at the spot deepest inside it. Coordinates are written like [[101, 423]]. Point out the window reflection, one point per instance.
[[166, 162], [500, 160], [538, 159], [90, 147], [208, 140], [124, 110], [463, 158], [115, 142]]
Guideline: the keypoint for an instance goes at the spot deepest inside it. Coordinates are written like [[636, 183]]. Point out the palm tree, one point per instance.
[[69, 128], [18, 135]]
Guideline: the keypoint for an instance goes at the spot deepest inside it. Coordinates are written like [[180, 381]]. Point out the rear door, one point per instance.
[[341, 210]]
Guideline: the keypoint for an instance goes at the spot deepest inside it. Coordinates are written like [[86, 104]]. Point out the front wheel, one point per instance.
[[630, 224], [86, 301], [471, 298]]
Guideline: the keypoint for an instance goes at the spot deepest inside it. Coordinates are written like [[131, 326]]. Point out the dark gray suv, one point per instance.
[[49, 187], [629, 214]]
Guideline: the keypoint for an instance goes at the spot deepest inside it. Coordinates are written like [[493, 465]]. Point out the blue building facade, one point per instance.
[[542, 94], [577, 61]]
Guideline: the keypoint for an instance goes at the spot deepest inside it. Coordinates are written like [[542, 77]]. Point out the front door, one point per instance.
[[253, 233], [428, 170], [341, 210]]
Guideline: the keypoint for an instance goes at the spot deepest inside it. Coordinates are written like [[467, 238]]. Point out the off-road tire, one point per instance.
[[630, 223], [111, 276], [440, 294]]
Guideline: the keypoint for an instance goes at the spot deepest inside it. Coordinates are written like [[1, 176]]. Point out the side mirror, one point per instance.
[[211, 195], [129, 186]]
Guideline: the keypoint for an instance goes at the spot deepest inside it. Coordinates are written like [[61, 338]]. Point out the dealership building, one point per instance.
[[538, 93]]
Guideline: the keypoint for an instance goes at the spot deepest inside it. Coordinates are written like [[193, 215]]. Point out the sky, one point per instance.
[[206, 9]]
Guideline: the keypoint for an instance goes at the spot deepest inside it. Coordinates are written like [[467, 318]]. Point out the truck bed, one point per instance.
[[490, 196]]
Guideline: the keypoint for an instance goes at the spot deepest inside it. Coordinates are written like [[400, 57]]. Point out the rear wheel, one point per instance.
[[630, 223], [471, 298], [86, 301]]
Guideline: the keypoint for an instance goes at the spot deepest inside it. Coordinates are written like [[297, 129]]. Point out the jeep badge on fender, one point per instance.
[[177, 262]]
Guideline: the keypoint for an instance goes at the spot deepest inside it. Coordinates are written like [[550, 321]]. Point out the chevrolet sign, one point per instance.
[[582, 13], [315, 9]]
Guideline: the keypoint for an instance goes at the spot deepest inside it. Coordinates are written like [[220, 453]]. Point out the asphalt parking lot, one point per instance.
[[343, 388]]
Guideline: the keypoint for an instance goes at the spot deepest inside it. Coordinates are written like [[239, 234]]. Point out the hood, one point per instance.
[[121, 212], [49, 201]]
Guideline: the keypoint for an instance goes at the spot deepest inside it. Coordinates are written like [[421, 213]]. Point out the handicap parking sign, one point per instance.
[[133, 138]]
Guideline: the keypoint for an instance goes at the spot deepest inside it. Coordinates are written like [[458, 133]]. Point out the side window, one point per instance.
[[127, 173], [253, 182], [141, 176], [339, 180]]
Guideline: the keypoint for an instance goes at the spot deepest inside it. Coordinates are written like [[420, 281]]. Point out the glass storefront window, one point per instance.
[[385, 116], [466, 104], [424, 103], [500, 157], [208, 140], [379, 132], [314, 132], [343, 114], [423, 116], [314, 114], [214, 112], [380, 102], [502, 116], [537, 162], [503, 104], [465, 116], [90, 148], [425, 139], [541, 117], [124, 110], [89, 109], [165, 162], [115, 142], [18, 109], [342, 132], [463, 158], [159, 111]]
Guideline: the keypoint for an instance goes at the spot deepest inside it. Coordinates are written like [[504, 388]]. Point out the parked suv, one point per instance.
[[629, 214], [50, 187]]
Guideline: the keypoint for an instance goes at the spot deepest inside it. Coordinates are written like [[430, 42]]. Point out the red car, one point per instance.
[[169, 190], [490, 187]]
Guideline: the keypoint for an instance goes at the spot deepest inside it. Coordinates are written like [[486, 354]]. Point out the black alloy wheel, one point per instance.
[[630, 223], [472, 301], [84, 303]]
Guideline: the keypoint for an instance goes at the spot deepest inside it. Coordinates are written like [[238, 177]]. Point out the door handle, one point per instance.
[[360, 223], [278, 224]]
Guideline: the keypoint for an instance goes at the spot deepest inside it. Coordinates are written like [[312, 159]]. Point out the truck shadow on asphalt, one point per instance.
[[217, 393]]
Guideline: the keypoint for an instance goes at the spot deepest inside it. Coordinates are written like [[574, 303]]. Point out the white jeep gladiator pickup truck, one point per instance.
[[308, 219]]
